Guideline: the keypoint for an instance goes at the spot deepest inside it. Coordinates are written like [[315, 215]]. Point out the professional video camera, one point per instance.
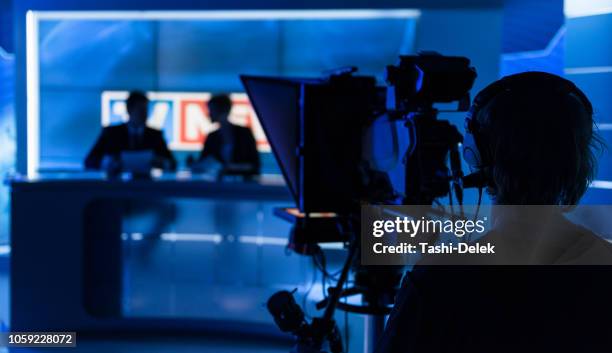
[[316, 128]]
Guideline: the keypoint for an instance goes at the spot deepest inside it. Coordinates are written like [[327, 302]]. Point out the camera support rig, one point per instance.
[[315, 127], [377, 289]]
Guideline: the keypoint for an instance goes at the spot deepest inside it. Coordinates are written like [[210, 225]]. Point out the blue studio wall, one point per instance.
[[538, 35], [7, 114], [588, 63], [7, 137], [533, 36], [20, 9], [441, 27], [185, 56]]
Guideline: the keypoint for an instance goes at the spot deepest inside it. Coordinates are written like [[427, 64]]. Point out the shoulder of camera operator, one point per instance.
[[573, 244], [546, 237]]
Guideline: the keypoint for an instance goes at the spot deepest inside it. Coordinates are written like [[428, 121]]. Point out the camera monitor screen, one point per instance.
[[314, 129], [276, 100]]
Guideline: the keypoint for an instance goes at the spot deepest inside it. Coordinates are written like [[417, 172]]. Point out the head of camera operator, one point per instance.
[[532, 136], [531, 140]]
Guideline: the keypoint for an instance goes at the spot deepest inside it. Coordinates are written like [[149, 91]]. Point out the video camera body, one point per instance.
[[419, 81], [316, 128], [414, 86]]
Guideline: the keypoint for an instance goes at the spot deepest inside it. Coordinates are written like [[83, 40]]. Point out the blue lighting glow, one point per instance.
[[193, 51], [7, 137], [584, 8]]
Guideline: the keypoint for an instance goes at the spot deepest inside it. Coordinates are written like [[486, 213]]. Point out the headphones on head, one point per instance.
[[475, 151]]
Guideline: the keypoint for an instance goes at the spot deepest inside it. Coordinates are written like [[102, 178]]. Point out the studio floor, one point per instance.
[[172, 279], [142, 342]]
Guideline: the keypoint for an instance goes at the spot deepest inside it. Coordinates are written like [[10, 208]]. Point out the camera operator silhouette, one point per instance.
[[530, 137], [131, 136], [230, 148]]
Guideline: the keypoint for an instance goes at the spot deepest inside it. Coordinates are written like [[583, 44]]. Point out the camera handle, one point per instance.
[[426, 161]]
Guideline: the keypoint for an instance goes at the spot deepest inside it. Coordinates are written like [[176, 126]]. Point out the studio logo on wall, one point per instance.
[[183, 116]]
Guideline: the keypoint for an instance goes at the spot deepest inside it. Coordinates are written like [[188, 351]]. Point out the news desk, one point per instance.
[[66, 239]]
